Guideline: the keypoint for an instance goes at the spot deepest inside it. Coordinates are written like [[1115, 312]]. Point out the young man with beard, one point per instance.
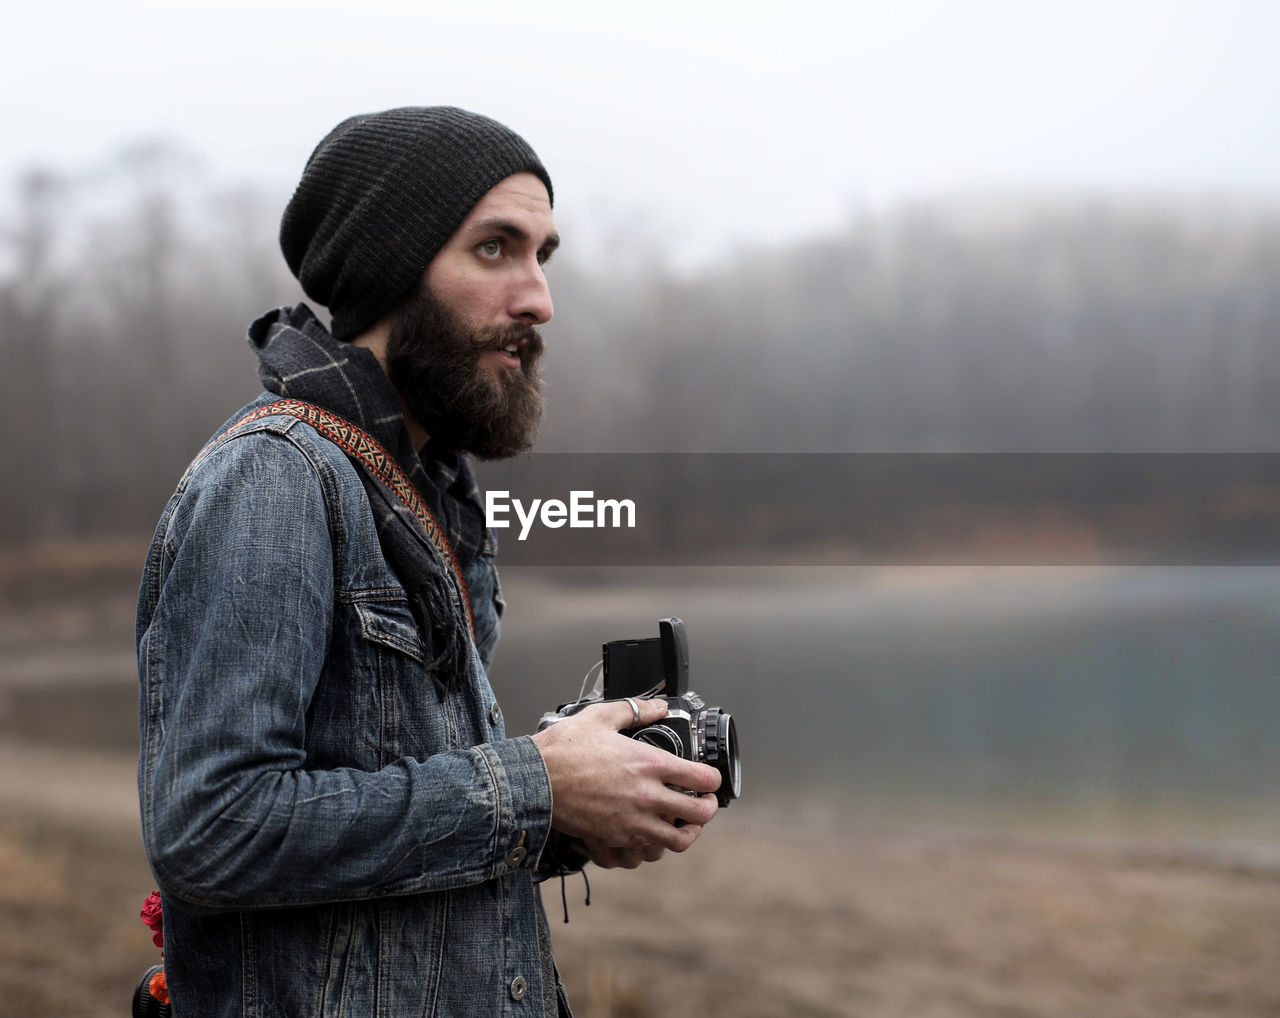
[[336, 817]]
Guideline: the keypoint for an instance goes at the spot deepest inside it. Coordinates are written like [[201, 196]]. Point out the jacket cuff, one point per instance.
[[522, 790], [558, 859]]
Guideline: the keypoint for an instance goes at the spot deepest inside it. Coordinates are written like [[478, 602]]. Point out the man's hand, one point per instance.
[[619, 796]]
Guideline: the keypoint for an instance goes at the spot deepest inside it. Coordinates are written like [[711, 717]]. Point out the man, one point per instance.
[[335, 816]]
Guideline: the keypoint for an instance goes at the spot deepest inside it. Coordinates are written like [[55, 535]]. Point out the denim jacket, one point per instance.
[[333, 834]]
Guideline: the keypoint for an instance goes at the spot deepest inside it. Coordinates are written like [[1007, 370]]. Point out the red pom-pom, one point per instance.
[[159, 988], [151, 910], [152, 915]]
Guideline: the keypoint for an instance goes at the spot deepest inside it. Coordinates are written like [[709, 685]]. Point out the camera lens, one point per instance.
[[662, 737], [720, 738]]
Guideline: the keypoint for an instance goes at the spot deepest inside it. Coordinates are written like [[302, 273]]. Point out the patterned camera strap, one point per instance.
[[362, 447]]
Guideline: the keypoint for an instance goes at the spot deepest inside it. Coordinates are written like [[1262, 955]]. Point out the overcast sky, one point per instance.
[[690, 124]]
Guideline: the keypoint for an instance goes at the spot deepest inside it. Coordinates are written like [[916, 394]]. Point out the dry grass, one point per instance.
[[768, 920], [71, 942], [761, 919]]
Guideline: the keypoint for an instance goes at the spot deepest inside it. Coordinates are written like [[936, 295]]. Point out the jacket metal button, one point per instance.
[[516, 856], [519, 987], [495, 714]]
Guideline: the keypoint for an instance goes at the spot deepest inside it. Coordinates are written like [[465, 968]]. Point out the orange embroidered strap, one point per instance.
[[362, 446]]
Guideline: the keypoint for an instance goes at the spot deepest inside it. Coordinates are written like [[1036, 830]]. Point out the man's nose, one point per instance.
[[531, 301]]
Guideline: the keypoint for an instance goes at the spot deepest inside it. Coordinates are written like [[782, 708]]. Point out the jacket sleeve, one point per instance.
[[241, 597]]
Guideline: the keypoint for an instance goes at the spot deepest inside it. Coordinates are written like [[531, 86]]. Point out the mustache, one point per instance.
[[496, 337]]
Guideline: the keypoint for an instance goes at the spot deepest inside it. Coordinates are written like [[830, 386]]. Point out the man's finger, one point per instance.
[[696, 777], [688, 809], [622, 715]]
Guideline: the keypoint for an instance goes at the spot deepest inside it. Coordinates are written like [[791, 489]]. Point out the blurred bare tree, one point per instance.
[[120, 322], [1060, 325], [29, 292]]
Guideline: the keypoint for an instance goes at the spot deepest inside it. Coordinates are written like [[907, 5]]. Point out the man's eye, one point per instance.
[[490, 249]]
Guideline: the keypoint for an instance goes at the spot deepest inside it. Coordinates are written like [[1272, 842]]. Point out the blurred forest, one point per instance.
[[997, 324]]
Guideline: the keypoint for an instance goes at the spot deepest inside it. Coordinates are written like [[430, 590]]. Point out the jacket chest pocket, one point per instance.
[[406, 714]]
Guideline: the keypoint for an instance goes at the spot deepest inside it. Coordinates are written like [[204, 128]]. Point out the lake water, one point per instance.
[[1098, 700]]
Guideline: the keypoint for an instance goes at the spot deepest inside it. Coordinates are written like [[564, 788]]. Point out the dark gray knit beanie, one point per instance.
[[379, 197]]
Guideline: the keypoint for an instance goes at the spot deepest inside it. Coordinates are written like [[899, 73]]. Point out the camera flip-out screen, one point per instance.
[[630, 665]]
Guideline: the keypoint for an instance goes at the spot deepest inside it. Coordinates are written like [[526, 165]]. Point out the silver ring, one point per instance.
[[635, 711]]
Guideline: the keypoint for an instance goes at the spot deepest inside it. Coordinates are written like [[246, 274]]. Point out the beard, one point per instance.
[[433, 360]]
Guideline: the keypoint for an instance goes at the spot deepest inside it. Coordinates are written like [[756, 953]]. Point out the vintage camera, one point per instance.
[[691, 729]]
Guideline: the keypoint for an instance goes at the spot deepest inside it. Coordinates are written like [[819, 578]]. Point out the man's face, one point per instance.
[[463, 349]]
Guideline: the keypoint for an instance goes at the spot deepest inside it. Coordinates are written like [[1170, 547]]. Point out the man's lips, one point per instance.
[[507, 360], [511, 353]]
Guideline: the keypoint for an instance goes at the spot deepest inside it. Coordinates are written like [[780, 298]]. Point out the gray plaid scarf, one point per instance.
[[298, 358]]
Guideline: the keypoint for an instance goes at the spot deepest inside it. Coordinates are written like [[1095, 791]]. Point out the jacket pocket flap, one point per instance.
[[390, 624]]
